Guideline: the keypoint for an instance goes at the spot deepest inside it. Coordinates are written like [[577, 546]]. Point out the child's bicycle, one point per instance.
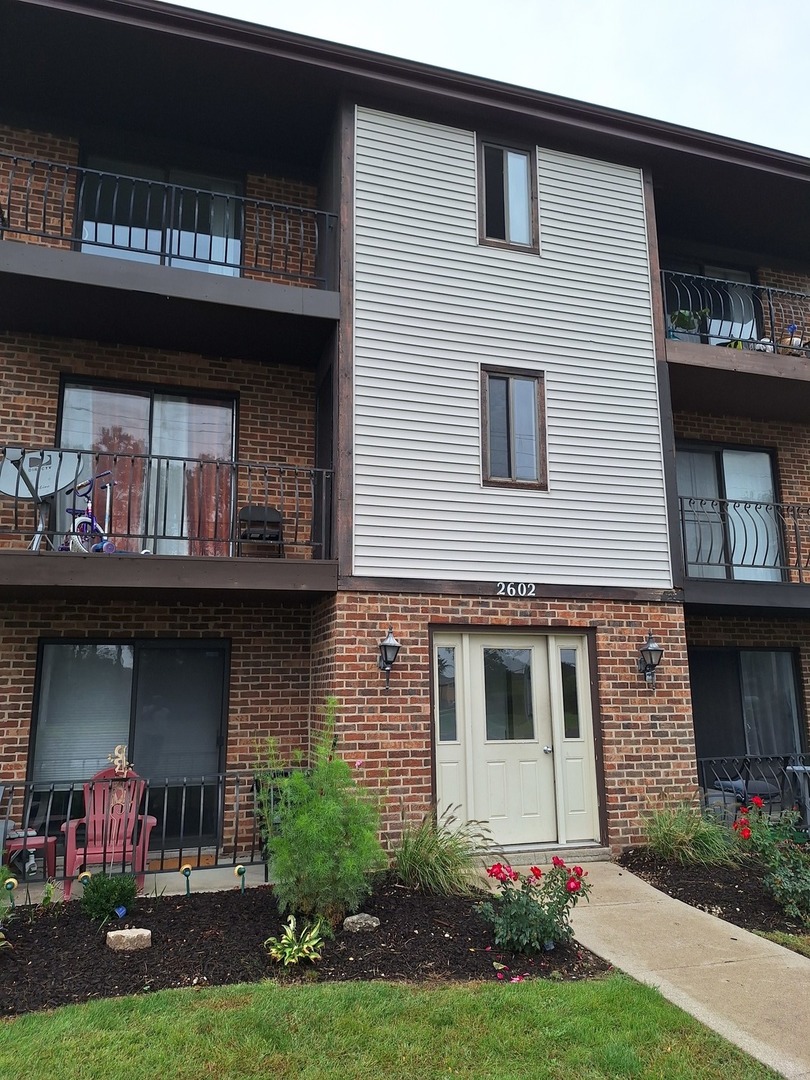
[[86, 533]]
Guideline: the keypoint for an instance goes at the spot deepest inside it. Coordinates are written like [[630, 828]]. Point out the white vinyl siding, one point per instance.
[[432, 306]]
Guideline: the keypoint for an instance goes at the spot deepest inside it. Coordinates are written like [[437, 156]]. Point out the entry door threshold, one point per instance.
[[542, 854]]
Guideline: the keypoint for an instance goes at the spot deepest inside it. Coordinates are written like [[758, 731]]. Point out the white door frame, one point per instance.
[[576, 803]]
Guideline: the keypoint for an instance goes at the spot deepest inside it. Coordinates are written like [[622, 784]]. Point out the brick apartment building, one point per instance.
[[352, 343]]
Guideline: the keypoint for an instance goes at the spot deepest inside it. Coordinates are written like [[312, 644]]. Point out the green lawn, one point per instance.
[[367, 1031]]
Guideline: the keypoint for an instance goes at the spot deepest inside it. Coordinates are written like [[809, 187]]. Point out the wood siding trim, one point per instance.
[[24, 574], [447, 587], [344, 399], [664, 395]]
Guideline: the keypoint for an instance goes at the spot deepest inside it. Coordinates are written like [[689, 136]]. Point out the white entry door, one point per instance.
[[514, 738]]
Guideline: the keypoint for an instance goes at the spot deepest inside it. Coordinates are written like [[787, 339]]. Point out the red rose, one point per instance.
[[573, 884], [557, 861], [578, 871], [758, 803], [745, 832], [536, 871]]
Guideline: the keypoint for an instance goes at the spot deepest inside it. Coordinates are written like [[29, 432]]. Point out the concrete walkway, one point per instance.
[[752, 992]]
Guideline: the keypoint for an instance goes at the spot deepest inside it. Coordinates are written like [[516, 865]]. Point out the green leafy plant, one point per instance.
[[531, 914], [687, 319], [103, 894], [290, 948], [441, 855], [320, 831], [689, 835], [787, 863]]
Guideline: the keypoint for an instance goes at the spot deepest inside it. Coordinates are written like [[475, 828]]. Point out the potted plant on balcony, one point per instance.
[[792, 340], [686, 321]]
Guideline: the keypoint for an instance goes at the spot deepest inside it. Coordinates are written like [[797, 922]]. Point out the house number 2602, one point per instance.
[[515, 588]]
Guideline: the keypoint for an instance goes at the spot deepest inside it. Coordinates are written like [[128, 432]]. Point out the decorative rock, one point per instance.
[[129, 940], [356, 923]]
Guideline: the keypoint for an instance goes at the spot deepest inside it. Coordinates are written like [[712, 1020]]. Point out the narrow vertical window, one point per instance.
[[448, 721], [514, 426], [568, 671], [507, 196]]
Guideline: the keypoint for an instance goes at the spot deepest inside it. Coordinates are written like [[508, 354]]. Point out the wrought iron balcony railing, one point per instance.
[[782, 782], [737, 315], [203, 821], [152, 221], [732, 539], [80, 500]]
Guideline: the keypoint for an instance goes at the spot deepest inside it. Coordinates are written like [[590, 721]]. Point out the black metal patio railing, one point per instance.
[[203, 821], [161, 505], [745, 540], [736, 314], [159, 222], [782, 782]]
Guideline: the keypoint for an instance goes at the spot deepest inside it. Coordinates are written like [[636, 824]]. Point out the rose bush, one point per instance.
[[532, 913]]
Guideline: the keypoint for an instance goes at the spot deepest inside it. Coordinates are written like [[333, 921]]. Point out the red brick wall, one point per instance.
[[269, 676], [787, 309], [32, 196], [647, 736], [282, 245]]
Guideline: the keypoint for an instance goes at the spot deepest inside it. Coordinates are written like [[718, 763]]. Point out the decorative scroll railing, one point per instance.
[[745, 540], [80, 500], [783, 783], [736, 314], [152, 221]]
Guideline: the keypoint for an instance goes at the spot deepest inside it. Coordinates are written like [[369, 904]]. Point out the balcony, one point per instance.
[[731, 346], [759, 550], [136, 522], [782, 783], [236, 271], [205, 821]]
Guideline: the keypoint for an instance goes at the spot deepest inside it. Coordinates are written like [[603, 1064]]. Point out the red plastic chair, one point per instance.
[[114, 830]]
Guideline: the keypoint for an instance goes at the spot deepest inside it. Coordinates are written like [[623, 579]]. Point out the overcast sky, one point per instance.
[[732, 67]]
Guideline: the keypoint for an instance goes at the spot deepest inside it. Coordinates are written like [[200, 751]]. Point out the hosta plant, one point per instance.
[[291, 947]]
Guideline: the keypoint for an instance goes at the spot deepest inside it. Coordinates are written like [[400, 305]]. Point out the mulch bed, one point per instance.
[[734, 893], [59, 957]]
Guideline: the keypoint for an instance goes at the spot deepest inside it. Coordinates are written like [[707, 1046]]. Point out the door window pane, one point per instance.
[[85, 696], [752, 522], [568, 671], [770, 707], [508, 694], [448, 720]]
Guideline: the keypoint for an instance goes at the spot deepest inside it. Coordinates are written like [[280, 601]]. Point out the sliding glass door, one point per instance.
[[731, 524], [169, 456], [745, 702], [161, 215], [165, 701]]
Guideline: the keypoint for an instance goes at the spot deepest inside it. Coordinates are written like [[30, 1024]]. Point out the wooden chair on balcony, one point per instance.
[[115, 833], [260, 525]]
